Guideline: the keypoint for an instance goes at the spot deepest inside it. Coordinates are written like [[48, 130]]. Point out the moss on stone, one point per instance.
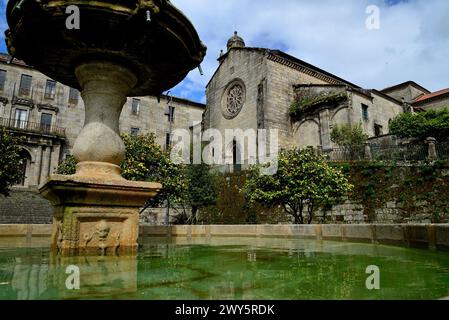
[[306, 103]]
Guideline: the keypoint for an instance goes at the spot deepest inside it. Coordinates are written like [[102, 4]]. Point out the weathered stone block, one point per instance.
[[358, 232], [332, 231], [442, 235]]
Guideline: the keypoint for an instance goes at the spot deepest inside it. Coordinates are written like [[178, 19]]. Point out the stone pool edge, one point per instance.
[[432, 236]]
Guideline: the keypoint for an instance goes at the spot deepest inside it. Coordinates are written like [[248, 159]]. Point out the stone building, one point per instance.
[[51, 115], [252, 88], [256, 88], [418, 97], [433, 101]]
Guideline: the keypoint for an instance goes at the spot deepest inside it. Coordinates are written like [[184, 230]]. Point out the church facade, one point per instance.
[[252, 88], [258, 88]]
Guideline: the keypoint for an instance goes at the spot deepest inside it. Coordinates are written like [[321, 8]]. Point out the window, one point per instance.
[[21, 117], [46, 119], [135, 131], [50, 89], [136, 106], [378, 130], [73, 96], [2, 79], [25, 85], [365, 112], [235, 157], [167, 141], [170, 113]]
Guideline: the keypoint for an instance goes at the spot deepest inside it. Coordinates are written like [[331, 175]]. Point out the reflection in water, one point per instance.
[[30, 278], [227, 268], [44, 277]]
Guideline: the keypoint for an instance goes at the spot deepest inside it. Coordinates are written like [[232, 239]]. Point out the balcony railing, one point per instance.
[[34, 127]]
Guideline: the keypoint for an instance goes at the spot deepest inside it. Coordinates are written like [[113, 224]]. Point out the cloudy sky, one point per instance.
[[412, 42]]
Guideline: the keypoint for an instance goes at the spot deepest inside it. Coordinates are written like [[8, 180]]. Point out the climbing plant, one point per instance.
[[306, 102]]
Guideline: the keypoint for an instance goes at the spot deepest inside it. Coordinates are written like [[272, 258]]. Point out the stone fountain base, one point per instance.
[[94, 214]]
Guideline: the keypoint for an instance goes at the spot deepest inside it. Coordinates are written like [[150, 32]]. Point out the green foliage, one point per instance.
[[183, 185], [10, 161], [347, 135], [422, 125], [307, 102], [67, 167], [202, 189], [417, 190], [232, 208], [303, 181]]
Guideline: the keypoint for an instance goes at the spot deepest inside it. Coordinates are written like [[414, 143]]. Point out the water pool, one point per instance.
[[225, 268]]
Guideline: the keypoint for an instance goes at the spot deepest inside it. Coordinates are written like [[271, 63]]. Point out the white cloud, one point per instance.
[[412, 43]]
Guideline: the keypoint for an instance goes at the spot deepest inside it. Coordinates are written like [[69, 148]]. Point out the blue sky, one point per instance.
[[411, 44]]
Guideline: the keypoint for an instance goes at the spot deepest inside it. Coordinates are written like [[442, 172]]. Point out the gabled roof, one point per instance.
[[432, 96], [286, 59], [293, 62], [405, 84]]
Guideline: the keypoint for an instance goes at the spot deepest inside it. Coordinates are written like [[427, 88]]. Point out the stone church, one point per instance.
[[260, 88], [252, 88]]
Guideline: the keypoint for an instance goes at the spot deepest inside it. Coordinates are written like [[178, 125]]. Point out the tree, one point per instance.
[[303, 182], [202, 188], [348, 135], [192, 186], [145, 161], [422, 125], [10, 161]]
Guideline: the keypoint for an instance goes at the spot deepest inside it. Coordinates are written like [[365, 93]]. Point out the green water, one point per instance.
[[226, 268]]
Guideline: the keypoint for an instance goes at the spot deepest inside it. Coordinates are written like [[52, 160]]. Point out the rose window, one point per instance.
[[235, 100]]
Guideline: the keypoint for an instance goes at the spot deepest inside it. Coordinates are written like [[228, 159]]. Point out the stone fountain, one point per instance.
[[121, 49]]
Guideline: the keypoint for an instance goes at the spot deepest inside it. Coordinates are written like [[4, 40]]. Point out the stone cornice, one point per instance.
[[22, 101], [47, 106], [313, 73]]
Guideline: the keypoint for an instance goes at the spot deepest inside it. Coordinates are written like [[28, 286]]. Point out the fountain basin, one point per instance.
[[222, 268]]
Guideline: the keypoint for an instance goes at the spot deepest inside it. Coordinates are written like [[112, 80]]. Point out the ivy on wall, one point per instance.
[[307, 102], [414, 190], [232, 208]]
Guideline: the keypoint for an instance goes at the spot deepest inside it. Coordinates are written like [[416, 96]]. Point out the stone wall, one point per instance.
[[429, 236], [382, 194], [25, 207]]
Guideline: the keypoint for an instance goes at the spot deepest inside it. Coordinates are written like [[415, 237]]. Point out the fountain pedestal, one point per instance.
[[121, 49], [96, 215], [97, 209]]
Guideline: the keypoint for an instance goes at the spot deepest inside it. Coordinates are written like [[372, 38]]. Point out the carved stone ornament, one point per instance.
[[234, 99], [102, 230]]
